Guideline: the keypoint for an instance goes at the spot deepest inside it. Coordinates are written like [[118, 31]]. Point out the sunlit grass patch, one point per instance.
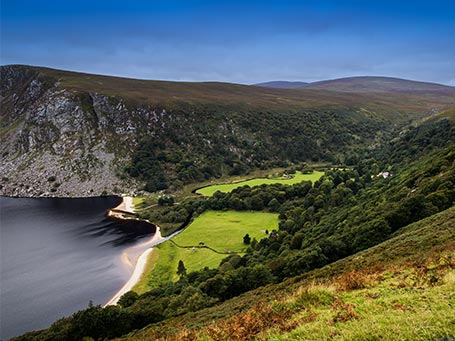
[[222, 231], [137, 201], [291, 180]]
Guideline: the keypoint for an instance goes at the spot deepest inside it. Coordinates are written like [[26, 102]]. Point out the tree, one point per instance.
[[181, 270], [247, 239], [165, 201], [409, 211], [128, 299], [296, 241], [273, 205]]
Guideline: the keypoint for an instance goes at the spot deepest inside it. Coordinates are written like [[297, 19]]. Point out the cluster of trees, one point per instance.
[[267, 197], [165, 200], [146, 165]]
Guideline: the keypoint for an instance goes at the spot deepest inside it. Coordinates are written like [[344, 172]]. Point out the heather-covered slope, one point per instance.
[[367, 84], [382, 84]]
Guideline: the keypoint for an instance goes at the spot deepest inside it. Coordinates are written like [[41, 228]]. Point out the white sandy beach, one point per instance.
[[138, 270], [139, 265], [126, 206]]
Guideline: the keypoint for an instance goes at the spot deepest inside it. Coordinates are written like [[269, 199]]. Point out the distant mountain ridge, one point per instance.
[[380, 84], [283, 85], [364, 84]]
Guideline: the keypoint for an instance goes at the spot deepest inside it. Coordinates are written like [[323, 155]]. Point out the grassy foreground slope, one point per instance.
[[222, 231], [401, 289], [225, 188]]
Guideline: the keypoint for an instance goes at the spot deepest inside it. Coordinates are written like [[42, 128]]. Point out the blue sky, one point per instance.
[[234, 41]]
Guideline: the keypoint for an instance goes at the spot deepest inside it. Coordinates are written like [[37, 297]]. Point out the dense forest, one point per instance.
[[385, 188], [194, 149]]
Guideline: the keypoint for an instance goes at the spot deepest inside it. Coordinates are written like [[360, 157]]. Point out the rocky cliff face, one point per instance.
[[61, 143]]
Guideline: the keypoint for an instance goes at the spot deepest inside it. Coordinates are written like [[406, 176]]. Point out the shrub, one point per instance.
[[351, 280], [344, 311]]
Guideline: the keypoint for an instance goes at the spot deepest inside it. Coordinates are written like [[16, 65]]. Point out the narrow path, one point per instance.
[[145, 208], [204, 247]]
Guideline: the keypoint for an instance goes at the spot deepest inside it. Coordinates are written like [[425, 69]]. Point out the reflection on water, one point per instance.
[[57, 255]]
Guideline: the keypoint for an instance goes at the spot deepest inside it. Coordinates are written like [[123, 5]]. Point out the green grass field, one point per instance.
[[222, 231], [226, 188]]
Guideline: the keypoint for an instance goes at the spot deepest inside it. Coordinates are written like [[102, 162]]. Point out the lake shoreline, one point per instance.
[[139, 265]]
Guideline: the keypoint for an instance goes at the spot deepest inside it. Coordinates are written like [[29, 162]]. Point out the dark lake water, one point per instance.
[[56, 255]]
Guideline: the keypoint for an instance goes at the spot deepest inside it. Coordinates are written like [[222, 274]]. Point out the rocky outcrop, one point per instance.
[[56, 142]]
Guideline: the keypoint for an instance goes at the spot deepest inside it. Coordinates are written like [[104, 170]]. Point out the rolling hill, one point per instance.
[[382, 84], [367, 84], [73, 134]]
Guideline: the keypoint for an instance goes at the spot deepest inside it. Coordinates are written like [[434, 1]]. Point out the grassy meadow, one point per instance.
[[296, 178], [220, 230], [137, 202]]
